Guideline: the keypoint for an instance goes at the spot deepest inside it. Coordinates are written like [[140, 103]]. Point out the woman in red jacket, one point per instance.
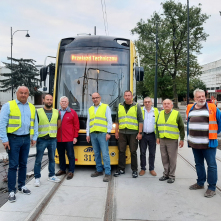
[[67, 136]]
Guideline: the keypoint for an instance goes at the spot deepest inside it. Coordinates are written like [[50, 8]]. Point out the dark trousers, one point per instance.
[[18, 157], [124, 140], [210, 156], [150, 140], [68, 146]]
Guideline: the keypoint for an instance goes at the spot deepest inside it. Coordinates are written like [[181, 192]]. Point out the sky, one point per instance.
[[48, 21]]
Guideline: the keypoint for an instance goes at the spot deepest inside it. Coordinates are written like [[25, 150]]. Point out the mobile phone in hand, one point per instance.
[[7, 150]]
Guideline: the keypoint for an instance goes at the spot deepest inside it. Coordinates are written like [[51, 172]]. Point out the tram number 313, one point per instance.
[[89, 157]]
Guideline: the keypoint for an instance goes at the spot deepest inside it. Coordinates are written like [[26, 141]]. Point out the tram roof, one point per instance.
[[95, 41]]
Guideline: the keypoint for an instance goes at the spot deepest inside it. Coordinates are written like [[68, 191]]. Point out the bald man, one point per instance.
[[99, 125], [18, 128], [169, 128]]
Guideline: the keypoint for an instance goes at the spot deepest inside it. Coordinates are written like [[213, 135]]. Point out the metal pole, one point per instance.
[[156, 64], [188, 67], [11, 61], [94, 30]]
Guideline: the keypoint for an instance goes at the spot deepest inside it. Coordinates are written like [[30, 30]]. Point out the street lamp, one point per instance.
[[156, 64], [188, 54], [27, 35]]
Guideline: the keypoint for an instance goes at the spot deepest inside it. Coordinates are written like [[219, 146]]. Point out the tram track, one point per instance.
[[193, 167], [43, 204]]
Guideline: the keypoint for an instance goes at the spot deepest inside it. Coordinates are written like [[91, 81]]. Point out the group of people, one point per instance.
[[49, 128], [22, 125]]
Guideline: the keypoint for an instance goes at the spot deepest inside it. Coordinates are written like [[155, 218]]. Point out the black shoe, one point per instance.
[[119, 172], [24, 190], [171, 180], [134, 174], [163, 178], [11, 197]]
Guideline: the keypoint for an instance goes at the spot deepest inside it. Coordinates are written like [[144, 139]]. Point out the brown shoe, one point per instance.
[[209, 193], [60, 172], [70, 175], [96, 173], [196, 187], [106, 178], [142, 172], [153, 173]]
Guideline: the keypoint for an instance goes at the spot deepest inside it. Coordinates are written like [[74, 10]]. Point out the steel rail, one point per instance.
[[193, 167]]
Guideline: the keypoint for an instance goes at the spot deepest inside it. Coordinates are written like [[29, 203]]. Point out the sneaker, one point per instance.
[[134, 174], [96, 174], [24, 190], [171, 180], [54, 179], [11, 197], [106, 178], [142, 172], [196, 187], [209, 193], [37, 182], [119, 172], [163, 178], [60, 172]]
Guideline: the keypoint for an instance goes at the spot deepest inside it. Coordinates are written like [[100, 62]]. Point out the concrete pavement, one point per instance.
[[146, 198]]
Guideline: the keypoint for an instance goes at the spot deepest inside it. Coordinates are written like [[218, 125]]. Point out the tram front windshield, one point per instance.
[[83, 72]]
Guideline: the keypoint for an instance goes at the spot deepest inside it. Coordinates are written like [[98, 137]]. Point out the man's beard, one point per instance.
[[48, 105], [201, 103]]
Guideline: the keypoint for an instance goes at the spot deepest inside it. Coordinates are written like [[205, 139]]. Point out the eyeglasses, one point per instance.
[[93, 98]]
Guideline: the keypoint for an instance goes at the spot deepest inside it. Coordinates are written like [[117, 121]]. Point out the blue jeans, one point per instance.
[[100, 144], [210, 156], [18, 157], [42, 144], [68, 146]]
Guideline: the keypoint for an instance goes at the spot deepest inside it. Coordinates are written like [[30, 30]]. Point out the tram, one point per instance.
[[88, 64]]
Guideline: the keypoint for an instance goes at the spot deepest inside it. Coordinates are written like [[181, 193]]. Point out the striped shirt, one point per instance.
[[198, 137]]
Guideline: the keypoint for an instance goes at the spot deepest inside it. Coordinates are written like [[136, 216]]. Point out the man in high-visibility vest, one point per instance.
[[49, 121], [129, 126], [18, 128], [169, 127], [99, 125], [150, 116], [203, 125]]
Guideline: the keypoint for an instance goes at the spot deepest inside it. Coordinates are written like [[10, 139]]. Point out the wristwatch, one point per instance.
[[109, 133], [140, 132]]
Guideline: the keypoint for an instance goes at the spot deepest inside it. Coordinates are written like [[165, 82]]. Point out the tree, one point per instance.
[[23, 72], [171, 30], [194, 84], [142, 91]]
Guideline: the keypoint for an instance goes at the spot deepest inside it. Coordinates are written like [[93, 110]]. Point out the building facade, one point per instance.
[[212, 78]]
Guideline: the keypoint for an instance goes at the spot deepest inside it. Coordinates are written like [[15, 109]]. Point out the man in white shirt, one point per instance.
[[150, 116]]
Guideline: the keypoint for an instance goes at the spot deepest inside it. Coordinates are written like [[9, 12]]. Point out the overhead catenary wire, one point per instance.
[[105, 26], [106, 17]]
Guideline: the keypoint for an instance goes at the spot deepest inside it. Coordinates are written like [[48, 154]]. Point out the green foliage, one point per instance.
[[23, 72], [194, 84], [142, 91], [171, 29]]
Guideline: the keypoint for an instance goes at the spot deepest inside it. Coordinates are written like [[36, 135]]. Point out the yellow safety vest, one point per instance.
[[168, 129], [98, 121], [156, 114], [14, 122], [44, 126], [127, 120]]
